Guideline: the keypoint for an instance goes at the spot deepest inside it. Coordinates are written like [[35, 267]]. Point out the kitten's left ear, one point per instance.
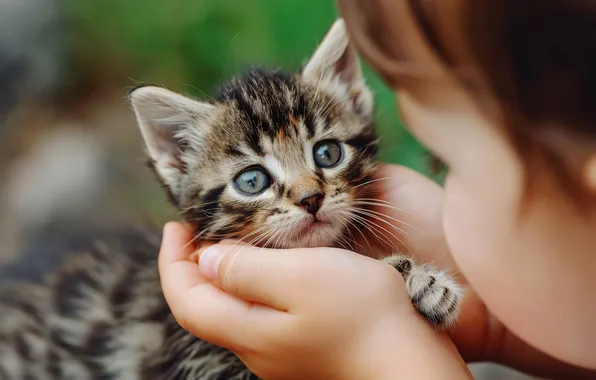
[[335, 67]]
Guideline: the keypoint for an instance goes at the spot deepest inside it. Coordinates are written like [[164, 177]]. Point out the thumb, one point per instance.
[[262, 275], [200, 306]]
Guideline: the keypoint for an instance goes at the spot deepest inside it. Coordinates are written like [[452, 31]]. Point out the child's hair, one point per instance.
[[536, 60]]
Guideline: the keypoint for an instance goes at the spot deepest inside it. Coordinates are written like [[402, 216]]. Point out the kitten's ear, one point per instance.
[[335, 67], [169, 124]]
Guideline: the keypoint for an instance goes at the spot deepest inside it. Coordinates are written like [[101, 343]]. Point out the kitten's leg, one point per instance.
[[434, 294]]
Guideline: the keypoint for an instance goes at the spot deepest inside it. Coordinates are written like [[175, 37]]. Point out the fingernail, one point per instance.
[[209, 261]]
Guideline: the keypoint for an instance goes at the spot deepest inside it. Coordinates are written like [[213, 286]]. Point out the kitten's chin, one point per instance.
[[316, 235], [305, 231]]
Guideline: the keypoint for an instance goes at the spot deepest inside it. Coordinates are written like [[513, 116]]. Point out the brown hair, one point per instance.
[[536, 60]]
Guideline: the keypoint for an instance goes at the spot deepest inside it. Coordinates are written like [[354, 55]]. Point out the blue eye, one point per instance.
[[252, 181], [327, 154]]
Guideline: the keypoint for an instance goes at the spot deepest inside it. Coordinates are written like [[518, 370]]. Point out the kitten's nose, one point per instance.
[[312, 203]]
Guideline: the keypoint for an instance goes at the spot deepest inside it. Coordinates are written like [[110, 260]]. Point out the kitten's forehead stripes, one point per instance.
[[294, 122], [233, 151], [273, 103]]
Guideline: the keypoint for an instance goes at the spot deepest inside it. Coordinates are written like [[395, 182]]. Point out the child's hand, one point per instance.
[[303, 313]]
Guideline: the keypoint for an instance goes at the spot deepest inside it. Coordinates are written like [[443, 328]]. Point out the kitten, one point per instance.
[[277, 160]]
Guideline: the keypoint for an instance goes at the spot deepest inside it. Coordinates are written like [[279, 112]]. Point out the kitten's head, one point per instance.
[[277, 159]]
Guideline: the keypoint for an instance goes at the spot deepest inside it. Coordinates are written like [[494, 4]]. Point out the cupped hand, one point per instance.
[[303, 313]]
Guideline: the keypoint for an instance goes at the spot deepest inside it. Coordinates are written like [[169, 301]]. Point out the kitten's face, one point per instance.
[[277, 159]]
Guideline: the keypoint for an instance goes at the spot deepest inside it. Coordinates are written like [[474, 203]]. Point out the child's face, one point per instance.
[[535, 266]]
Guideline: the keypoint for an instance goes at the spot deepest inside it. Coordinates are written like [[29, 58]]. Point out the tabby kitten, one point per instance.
[[277, 160]]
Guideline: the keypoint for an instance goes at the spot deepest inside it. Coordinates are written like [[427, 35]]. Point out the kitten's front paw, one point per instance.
[[433, 293]]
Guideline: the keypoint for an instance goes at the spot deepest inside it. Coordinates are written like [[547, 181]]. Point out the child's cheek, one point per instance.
[[464, 224], [482, 197], [478, 232]]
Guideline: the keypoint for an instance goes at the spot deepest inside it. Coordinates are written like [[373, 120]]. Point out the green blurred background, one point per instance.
[[190, 45], [70, 152]]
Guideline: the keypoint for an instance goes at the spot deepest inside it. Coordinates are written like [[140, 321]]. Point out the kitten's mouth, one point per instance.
[[312, 231], [313, 225]]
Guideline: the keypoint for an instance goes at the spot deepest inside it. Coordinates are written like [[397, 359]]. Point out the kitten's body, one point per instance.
[[103, 317], [278, 160]]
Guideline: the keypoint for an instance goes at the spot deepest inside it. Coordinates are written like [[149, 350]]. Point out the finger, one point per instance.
[[203, 245], [202, 308], [212, 314], [176, 270], [281, 278], [243, 271], [175, 242], [255, 274]]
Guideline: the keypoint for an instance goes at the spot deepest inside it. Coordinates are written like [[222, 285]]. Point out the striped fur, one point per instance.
[[103, 316]]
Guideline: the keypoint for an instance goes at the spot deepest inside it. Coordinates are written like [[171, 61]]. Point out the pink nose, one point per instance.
[[312, 203]]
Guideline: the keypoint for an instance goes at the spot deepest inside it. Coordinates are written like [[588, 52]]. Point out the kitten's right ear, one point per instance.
[[169, 123], [335, 67]]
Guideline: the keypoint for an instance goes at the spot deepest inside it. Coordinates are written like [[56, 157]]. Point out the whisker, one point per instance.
[[380, 215], [205, 214], [372, 251], [342, 245], [364, 212], [277, 231], [380, 230], [375, 200], [342, 239], [198, 206], [194, 239], [372, 229], [276, 242], [258, 239], [329, 106], [347, 223], [373, 181], [350, 222], [387, 206], [257, 242], [350, 240], [257, 231]]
